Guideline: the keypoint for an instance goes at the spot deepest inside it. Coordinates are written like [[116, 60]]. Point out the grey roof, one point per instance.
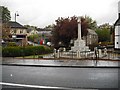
[[30, 29], [42, 29], [16, 25], [90, 31], [117, 23]]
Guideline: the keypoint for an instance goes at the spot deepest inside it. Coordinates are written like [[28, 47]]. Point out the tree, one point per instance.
[[28, 26], [103, 34], [5, 14], [50, 27], [92, 24], [66, 30], [5, 31], [34, 38], [5, 19]]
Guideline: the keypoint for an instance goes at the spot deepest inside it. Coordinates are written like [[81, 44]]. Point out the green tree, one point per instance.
[[28, 26], [103, 34], [92, 24], [5, 31], [50, 27], [33, 38], [5, 14]]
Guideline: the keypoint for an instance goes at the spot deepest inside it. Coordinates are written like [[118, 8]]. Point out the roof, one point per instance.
[[41, 29], [30, 29], [16, 25], [90, 31], [117, 23]]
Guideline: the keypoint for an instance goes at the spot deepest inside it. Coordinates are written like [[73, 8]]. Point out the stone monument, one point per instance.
[[79, 44]]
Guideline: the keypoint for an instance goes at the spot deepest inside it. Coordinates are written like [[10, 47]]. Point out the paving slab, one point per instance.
[[53, 62]]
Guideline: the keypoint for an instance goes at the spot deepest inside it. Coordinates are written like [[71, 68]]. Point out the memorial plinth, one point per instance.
[[79, 44]]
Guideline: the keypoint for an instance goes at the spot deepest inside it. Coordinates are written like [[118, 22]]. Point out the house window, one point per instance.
[[117, 42], [14, 31], [21, 31]]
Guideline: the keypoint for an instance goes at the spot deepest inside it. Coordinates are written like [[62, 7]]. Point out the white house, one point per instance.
[[117, 30], [31, 31], [18, 32]]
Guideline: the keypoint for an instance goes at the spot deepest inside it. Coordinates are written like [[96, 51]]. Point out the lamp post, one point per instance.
[[14, 36], [16, 14]]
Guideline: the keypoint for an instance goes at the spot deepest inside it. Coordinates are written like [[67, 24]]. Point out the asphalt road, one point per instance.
[[91, 78]]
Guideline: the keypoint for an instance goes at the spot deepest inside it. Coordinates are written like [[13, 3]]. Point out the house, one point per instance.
[[31, 31], [117, 30], [45, 33], [91, 38], [18, 33]]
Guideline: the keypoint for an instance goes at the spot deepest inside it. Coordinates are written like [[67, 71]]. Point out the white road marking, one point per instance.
[[31, 86], [36, 86], [11, 75]]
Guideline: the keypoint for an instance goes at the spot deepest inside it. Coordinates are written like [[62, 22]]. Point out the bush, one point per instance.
[[12, 44], [24, 51], [11, 51]]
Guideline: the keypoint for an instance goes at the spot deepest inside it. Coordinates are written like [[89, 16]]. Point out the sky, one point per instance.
[[42, 13]]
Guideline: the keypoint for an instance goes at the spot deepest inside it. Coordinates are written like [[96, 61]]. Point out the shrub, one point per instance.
[[24, 51], [11, 51], [12, 44]]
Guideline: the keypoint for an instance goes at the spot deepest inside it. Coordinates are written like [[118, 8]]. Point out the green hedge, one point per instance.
[[24, 51]]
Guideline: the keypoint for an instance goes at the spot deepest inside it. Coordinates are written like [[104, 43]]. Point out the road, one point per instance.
[[91, 78]]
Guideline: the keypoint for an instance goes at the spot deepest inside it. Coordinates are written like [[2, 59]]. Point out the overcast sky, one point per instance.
[[41, 13]]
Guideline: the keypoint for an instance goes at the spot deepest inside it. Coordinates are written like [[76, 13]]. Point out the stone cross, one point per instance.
[[79, 28]]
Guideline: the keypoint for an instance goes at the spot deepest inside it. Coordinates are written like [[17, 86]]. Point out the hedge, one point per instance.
[[24, 51]]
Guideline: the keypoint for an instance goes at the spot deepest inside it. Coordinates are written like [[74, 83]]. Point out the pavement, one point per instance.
[[60, 63]]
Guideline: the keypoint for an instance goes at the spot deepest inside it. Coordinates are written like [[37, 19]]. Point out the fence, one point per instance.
[[110, 54]]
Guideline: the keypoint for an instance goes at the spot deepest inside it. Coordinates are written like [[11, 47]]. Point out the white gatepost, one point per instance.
[[105, 51], [100, 52], [78, 54], [64, 50], [58, 53], [55, 52]]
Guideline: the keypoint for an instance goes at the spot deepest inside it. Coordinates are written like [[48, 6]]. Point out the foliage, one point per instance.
[[5, 31], [66, 29], [24, 51], [12, 44], [103, 34], [5, 14], [33, 38], [92, 24], [28, 26], [49, 26]]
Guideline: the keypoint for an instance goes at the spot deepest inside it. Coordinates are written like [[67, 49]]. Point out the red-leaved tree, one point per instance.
[[66, 29]]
